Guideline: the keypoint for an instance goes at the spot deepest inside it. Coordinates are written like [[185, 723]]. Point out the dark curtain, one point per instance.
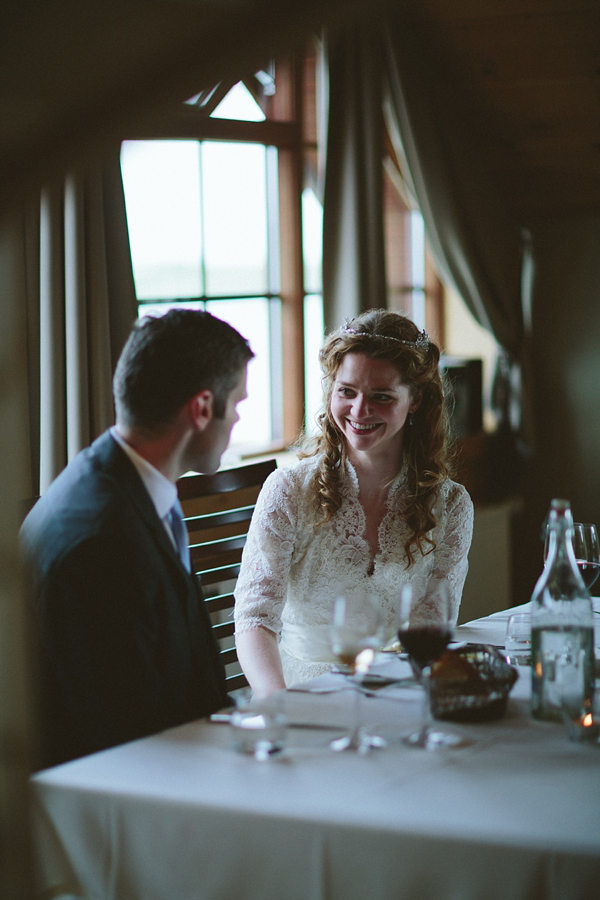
[[479, 248], [353, 245], [81, 305]]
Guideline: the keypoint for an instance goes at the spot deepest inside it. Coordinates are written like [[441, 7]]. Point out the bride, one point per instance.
[[369, 506]]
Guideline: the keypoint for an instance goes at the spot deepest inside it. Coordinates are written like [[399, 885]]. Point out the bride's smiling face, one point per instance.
[[370, 403]]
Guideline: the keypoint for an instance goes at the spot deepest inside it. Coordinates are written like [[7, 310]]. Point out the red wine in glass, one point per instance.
[[587, 551], [425, 644], [589, 571]]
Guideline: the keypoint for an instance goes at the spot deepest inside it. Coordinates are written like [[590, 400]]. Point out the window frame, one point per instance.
[[284, 131]]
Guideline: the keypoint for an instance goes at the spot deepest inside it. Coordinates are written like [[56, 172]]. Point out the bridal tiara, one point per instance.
[[422, 341]]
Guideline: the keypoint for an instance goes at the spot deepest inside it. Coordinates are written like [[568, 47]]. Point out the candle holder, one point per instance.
[[583, 727]]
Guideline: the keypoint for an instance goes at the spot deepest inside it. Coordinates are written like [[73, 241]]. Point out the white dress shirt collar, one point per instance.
[[163, 492]]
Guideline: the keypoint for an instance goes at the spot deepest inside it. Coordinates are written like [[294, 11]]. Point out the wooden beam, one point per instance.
[[190, 125]]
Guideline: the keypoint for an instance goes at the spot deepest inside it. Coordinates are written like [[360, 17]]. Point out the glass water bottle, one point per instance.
[[562, 629]]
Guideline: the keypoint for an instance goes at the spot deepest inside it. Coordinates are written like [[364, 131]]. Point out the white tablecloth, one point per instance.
[[181, 816]]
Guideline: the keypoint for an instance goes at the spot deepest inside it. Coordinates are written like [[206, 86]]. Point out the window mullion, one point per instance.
[[202, 222], [292, 264], [274, 282]]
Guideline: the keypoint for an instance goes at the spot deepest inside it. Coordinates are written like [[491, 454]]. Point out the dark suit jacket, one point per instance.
[[124, 643]]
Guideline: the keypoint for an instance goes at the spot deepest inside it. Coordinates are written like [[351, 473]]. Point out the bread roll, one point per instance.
[[452, 666]]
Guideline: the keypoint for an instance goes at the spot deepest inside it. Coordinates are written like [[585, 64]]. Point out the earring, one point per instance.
[[410, 419]]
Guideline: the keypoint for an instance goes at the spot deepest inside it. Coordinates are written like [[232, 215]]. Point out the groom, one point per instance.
[[124, 646]]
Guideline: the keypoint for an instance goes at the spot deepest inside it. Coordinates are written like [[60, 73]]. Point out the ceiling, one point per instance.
[[74, 76], [531, 71], [72, 73]]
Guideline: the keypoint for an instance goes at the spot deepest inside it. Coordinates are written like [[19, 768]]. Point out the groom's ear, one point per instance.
[[200, 409]]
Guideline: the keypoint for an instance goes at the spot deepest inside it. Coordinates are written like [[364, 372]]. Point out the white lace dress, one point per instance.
[[291, 571]]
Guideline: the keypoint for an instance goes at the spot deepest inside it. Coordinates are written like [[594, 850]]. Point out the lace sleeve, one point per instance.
[[262, 583], [453, 539]]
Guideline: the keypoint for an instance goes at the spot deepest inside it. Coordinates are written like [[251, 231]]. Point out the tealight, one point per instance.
[[583, 728]]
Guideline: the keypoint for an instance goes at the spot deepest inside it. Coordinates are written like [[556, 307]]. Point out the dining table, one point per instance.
[[514, 814]]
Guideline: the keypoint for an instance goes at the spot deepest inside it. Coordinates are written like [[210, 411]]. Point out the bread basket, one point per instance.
[[482, 698]]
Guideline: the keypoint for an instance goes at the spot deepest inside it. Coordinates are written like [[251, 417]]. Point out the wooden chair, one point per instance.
[[217, 511]]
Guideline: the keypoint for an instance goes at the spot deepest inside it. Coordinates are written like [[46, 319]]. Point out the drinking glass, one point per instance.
[[425, 644], [518, 639], [587, 552], [259, 725], [356, 632]]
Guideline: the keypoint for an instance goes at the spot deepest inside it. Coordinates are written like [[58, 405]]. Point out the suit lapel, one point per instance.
[[116, 463]]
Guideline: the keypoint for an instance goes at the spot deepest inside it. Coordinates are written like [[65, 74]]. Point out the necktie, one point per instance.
[[180, 534]]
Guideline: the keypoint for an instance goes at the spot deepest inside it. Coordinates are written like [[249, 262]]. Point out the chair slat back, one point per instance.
[[217, 511]]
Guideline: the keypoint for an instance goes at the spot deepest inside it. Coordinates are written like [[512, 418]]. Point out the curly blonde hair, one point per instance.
[[379, 334]]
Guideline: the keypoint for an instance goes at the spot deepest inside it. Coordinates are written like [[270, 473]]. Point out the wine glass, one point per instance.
[[424, 644], [587, 552], [356, 632]]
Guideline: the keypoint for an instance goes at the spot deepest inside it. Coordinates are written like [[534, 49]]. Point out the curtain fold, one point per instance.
[[87, 305], [479, 247], [27, 295], [353, 240]]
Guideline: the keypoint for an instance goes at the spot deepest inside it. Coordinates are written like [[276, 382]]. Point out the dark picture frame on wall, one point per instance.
[[464, 382]]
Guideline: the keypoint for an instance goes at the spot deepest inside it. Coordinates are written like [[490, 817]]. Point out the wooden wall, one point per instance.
[[565, 356]]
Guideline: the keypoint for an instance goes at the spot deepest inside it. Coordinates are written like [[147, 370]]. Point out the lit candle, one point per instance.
[[583, 728]]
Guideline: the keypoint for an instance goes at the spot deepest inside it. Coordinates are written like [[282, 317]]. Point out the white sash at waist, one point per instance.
[[306, 642]]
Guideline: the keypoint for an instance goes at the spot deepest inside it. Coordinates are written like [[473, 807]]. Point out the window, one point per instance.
[[200, 237], [414, 288], [218, 220]]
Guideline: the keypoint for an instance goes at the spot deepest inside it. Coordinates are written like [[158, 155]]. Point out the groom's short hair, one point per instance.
[[169, 358]]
